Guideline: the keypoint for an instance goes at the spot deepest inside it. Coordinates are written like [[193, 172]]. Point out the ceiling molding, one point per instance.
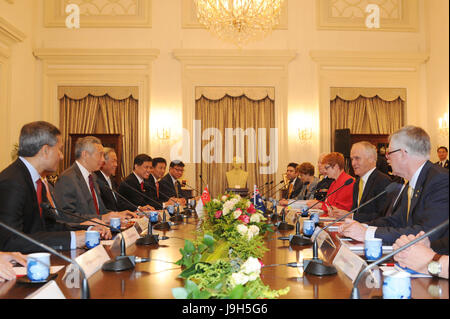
[[9, 34]]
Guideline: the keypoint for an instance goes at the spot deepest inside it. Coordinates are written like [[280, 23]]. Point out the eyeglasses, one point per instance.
[[389, 153], [327, 166]]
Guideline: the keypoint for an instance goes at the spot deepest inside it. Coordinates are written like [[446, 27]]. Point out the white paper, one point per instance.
[[49, 291]]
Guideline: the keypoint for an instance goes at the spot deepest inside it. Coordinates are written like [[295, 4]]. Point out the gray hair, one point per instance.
[[413, 139], [107, 151], [86, 144], [34, 135], [370, 150]]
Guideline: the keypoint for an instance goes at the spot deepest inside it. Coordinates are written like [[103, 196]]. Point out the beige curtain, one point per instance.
[[101, 114], [234, 112], [366, 115], [76, 116], [121, 116]]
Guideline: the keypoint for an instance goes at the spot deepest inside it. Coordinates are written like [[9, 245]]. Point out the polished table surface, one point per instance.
[[155, 279]]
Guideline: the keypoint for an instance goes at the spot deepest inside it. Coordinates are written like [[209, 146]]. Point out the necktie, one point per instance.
[[157, 188], [47, 193], [360, 190], [142, 186], [410, 194], [291, 186], [91, 186], [39, 195], [176, 188]]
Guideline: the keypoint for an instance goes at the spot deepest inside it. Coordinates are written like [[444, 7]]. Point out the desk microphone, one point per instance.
[[316, 266], [122, 262], [298, 239], [269, 191], [149, 238], [85, 292], [355, 291]]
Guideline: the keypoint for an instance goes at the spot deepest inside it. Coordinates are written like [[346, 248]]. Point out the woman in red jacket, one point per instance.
[[334, 164]]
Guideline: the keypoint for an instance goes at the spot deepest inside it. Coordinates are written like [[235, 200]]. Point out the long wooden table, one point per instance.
[[155, 279]]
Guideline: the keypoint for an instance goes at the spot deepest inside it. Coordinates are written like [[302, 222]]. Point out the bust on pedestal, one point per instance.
[[237, 178]]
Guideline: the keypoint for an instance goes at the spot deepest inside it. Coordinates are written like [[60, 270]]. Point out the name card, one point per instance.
[[130, 236], [322, 236], [141, 224], [49, 291], [91, 261], [348, 262]]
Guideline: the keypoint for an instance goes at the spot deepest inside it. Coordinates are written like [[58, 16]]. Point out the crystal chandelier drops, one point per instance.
[[239, 21]]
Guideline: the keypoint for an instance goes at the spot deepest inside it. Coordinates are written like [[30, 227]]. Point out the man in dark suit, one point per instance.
[[159, 168], [135, 187], [295, 183], [77, 190], [423, 202], [107, 183], [369, 183], [22, 190], [170, 187], [442, 152]]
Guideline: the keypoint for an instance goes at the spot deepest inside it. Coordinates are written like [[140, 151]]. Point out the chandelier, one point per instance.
[[239, 21]]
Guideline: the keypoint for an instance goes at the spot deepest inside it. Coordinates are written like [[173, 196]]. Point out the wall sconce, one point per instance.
[[163, 133], [305, 134], [443, 125]]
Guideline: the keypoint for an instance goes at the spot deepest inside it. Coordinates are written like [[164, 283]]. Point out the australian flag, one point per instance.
[[257, 200]]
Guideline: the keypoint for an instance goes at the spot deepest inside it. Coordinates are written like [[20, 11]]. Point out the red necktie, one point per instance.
[[39, 195], [142, 186], [91, 186], [157, 189]]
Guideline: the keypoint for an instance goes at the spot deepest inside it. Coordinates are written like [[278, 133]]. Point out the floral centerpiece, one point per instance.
[[224, 261]]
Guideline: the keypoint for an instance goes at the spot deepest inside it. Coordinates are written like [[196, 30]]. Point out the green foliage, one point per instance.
[[192, 254]]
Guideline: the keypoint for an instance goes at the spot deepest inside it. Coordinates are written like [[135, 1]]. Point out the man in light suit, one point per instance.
[[442, 152], [22, 190], [369, 183], [423, 202], [77, 190]]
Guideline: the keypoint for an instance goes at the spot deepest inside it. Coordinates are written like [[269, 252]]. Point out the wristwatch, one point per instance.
[[434, 267]]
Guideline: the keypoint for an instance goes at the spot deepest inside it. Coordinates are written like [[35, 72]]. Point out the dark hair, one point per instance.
[[176, 163], [306, 168], [141, 158], [34, 135], [442, 147], [86, 144], [157, 160], [294, 165]]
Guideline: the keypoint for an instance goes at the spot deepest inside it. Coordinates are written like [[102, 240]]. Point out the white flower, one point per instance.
[[251, 266], [215, 200], [237, 198], [237, 213], [242, 229], [238, 278], [255, 218], [254, 230], [224, 198]]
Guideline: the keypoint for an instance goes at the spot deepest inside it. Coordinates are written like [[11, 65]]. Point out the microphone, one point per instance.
[[122, 262], [347, 182], [298, 239], [316, 266], [148, 239], [270, 190], [85, 292], [355, 291]]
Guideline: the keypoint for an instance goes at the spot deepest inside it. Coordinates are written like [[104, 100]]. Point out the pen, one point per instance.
[[388, 265]]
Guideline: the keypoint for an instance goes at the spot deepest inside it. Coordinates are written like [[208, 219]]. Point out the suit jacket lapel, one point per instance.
[[418, 187], [84, 188]]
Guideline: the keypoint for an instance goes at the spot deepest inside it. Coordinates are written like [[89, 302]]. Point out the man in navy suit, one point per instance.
[[442, 152], [423, 201], [170, 187], [23, 189], [135, 186], [369, 183], [106, 182]]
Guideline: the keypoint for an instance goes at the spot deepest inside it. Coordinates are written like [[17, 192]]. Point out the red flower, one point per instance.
[[251, 209], [218, 214], [244, 218], [260, 261]]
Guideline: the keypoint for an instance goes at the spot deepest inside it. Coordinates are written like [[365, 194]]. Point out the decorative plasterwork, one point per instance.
[[97, 67], [369, 70], [9, 34], [189, 16], [101, 13], [395, 15]]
